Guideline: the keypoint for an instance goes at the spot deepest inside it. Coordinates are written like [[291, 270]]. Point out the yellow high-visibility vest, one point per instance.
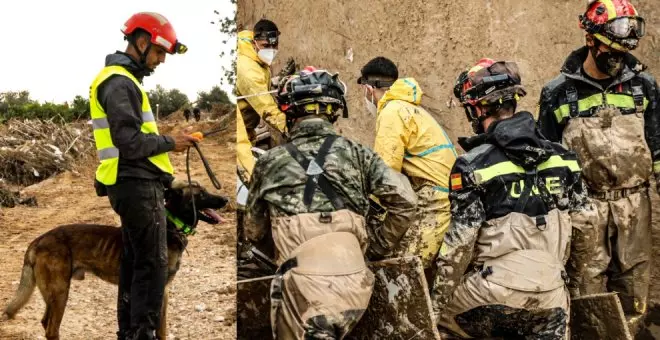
[[108, 154]]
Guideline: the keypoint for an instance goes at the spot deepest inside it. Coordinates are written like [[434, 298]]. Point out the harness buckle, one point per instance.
[[572, 99], [325, 217], [541, 223], [638, 97], [486, 272]]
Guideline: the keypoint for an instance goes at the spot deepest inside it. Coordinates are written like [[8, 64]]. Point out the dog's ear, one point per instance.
[[178, 185]]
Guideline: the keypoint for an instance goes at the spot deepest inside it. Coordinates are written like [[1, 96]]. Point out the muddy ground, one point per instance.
[[433, 41], [202, 296]]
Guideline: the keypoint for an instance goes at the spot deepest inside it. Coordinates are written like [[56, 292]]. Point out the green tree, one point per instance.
[[168, 101], [205, 100], [18, 104], [79, 107], [11, 99]]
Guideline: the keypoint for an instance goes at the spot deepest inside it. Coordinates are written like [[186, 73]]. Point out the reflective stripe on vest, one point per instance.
[[108, 154], [508, 167], [623, 101]]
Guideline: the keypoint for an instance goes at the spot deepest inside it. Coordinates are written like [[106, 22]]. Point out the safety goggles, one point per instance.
[[375, 83], [271, 38], [625, 27]]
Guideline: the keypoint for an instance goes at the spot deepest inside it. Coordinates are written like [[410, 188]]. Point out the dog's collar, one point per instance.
[[180, 225]]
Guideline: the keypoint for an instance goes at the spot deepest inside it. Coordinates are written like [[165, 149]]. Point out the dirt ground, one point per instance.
[[202, 296], [433, 41]]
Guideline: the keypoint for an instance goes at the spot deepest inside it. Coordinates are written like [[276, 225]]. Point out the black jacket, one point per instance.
[[554, 95], [514, 140], [122, 101], [487, 182]]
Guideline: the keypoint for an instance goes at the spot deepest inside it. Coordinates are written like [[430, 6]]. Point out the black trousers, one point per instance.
[[143, 269]]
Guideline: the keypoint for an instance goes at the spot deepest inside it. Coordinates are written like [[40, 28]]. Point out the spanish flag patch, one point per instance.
[[456, 182]]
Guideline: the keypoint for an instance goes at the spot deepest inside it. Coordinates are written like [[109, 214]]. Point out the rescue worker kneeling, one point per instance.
[[313, 192], [501, 265]]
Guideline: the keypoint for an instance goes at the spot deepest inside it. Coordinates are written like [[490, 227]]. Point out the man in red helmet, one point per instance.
[[135, 168], [501, 264], [605, 108]]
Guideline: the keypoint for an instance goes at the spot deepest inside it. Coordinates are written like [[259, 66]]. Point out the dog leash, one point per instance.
[[207, 167]]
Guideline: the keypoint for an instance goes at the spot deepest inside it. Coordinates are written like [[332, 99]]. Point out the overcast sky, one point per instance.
[[55, 48]]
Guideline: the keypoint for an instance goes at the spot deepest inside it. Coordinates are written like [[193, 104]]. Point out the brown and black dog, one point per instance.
[[67, 252]]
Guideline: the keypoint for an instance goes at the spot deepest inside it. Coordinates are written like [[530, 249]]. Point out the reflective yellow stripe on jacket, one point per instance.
[[508, 167], [108, 154], [623, 101]]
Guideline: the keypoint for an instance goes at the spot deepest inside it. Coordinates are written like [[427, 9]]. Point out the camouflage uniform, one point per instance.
[[616, 133], [323, 246], [501, 265]]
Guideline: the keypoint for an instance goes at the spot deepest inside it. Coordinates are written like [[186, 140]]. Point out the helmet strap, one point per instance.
[[143, 54], [345, 108]]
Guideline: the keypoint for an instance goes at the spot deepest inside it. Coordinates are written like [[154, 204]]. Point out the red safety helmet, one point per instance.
[[161, 31], [615, 23], [488, 83]]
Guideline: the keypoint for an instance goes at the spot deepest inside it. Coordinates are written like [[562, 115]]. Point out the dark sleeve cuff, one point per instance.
[[166, 144]]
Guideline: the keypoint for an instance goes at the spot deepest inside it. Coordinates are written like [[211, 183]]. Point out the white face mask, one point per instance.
[[267, 55], [369, 103]]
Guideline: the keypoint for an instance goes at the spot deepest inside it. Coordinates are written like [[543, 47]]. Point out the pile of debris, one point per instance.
[[33, 150], [220, 110], [11, 198]]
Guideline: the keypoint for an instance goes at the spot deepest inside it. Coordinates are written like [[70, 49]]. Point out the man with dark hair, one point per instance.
[[186, 114], [256, 51], [197, 113], [501, 265], [312, 194], [135, 168], [412, 142], [605, 108]]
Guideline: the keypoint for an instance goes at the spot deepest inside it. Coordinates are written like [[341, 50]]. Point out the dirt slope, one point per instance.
[[207, 274]]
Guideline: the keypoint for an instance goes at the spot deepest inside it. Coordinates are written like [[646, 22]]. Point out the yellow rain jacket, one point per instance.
[[244, 158], [411, 141], [252, 77]]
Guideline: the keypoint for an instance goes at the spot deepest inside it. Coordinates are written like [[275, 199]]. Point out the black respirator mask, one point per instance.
[[610, 63]]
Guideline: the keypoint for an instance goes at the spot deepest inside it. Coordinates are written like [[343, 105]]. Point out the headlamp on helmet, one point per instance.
[[487, 84], [271, 37], [312, 92]]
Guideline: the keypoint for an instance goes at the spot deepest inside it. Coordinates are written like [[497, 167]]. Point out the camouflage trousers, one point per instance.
[[424, 238], [612, 251], [483, 309]]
